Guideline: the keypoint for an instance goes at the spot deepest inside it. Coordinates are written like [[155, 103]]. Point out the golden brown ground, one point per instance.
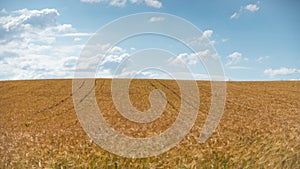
[[260, 127]]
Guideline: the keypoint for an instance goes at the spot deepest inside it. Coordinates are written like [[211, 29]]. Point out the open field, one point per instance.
[[260, 126]]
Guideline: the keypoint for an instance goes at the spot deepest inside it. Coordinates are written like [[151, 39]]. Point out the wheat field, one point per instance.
[[260, 127]]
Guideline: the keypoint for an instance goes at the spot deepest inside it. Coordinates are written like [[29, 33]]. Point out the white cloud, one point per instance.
[[117, 50], [261, 59], [281, 72], [32, 25], [35, 18], [252, 7], [249, 7], [115, 58], [207, 33], [135, 1], [64, 28], [114, 55], [111, 60], [234, 58], [69, 63], [76, 34], [141, 74], [153, 3], [39, 61], [203, 39], [235, 15], [104, 73], [156, 19], [3, 11], [29, 49], [35, 66], [199, 76], [77, 39], [118, 3], [190, 59]]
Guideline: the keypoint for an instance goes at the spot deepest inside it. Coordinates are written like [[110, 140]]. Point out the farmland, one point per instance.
[[260, 126]]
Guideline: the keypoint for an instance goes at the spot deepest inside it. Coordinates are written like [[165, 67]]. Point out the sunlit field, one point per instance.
[[260, 127]]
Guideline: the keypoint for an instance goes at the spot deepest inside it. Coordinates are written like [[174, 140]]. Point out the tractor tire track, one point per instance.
[[176, 94], [59, 103], [171, 104]]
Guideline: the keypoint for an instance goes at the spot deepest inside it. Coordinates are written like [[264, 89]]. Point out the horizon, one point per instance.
[[107, 78]]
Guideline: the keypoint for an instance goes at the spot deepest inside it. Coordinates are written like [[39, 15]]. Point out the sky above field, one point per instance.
[[255, 40]]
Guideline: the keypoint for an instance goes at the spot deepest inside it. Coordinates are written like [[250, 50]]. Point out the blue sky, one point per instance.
[[255, 40]]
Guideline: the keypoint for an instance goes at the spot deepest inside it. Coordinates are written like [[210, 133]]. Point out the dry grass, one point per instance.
[[260, 127]]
